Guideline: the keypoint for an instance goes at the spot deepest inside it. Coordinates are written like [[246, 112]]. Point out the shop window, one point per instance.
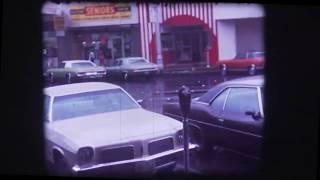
[[167, 41], [207, 40]]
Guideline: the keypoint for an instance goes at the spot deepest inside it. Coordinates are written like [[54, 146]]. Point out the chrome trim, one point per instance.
[[166, 137], [145, 70], [230, 86], [260, 101], [241, 154], [234, 130], [202, 103], [77, 168], [225, 100], [165, 165], [50, 108]]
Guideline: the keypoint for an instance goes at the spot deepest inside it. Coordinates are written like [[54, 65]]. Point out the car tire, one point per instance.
[[223, 70], [252, 70], [51, 78], [61, 167], [68, 78], [197, 137]]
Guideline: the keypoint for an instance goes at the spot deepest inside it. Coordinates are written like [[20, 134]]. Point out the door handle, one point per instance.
[[221, 120]]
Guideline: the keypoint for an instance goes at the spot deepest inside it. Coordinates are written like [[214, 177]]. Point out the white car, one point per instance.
[[75, 70], [97, 127], [133, 66]]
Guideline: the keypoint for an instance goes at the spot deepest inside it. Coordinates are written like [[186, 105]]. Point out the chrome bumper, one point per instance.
[[143, 164]]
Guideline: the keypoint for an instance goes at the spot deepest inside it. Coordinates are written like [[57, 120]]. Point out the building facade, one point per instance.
[[164, 33]]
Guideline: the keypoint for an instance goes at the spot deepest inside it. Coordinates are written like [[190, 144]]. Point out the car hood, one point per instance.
[[109, 128]]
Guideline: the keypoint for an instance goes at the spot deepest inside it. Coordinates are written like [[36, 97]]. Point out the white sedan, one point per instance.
[[98, 128]]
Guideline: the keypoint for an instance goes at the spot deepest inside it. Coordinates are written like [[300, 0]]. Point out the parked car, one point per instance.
[[73, 70], [229, 116], [250, 62], [130, 66], [96, 128]]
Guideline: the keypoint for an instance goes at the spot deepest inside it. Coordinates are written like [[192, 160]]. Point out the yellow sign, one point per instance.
[[100, 11]]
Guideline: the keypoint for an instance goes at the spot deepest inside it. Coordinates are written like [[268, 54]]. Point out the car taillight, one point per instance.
[[85, 155]]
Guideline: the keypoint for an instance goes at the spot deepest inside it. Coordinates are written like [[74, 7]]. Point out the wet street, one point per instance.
[[160, 89]]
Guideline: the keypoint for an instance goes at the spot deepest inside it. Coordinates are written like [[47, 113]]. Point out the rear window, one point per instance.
[[82, 65], [137, 61]]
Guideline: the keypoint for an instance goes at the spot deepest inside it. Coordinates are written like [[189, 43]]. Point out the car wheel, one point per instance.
[[197, 137], [252, 70], [125, 76], [61, 167], [68, 78], [51, 80], [223, 70]]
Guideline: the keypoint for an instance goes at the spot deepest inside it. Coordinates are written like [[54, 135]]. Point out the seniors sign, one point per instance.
[[100, 11]]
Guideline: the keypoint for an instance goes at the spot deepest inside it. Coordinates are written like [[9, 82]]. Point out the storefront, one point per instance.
[[240, 28], [50, 41], [187, 33], [164, 33], [108, 30]]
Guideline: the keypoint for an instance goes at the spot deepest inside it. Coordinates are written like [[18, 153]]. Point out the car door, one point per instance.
[[208, 117], [242, 131], [58, 73], [116, 68]]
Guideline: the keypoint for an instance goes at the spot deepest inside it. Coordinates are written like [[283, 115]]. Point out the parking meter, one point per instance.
[[185, 103], [184, 100]]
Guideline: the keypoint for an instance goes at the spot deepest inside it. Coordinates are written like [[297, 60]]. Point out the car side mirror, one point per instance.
[[255, 115]]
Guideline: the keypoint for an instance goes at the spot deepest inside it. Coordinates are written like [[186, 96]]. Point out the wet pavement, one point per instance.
[[160, 89]]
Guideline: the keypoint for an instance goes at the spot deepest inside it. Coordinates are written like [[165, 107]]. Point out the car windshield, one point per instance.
[[255, 54], [82, 65], [240, 56], [137, 61], [89, 103]]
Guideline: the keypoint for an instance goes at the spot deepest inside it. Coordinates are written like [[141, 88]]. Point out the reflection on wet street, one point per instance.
[[160, 89]]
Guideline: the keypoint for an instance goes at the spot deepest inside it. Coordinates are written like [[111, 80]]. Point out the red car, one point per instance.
[[249, 62]]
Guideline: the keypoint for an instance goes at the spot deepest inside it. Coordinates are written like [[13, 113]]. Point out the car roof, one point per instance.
[[251, 81], [127, 58], [75, 61], [239, 82], [67, 89]]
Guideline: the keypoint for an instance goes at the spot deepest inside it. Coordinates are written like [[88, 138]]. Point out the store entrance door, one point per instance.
[[183, 47], [117, 47], [188, 46]]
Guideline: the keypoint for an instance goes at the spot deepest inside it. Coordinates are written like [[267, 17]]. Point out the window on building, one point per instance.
[[207, 40], [167, 41]]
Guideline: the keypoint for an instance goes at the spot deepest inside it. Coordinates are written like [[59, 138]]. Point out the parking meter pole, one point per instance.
[[185, 102], [186, 144]]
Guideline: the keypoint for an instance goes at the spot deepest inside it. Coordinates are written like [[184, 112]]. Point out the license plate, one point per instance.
[[146, 72]]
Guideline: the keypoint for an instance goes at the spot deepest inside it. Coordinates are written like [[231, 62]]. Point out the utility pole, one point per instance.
[[158, 37]]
